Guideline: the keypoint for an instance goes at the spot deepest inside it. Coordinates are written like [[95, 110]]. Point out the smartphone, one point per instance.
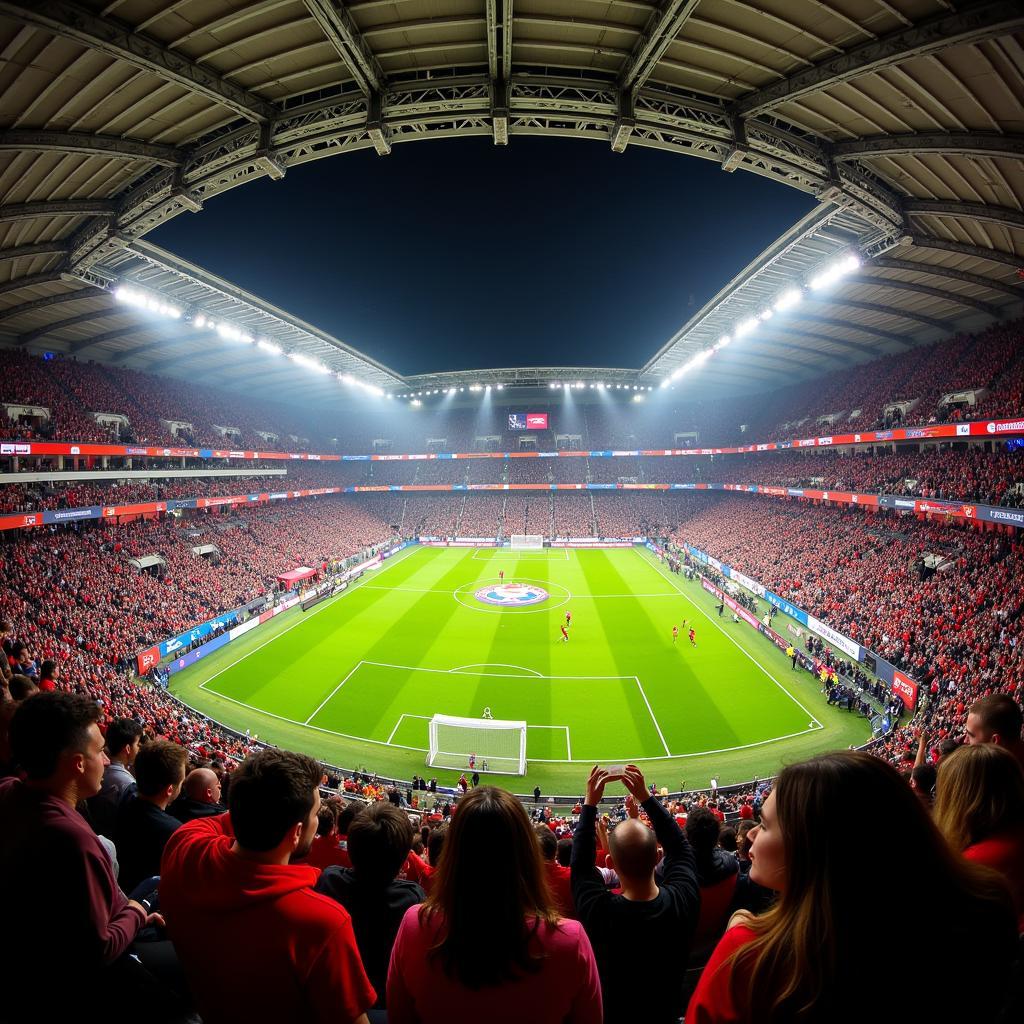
[[616, 771]]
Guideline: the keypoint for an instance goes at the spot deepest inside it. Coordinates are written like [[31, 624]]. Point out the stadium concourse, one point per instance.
[[209, 502]]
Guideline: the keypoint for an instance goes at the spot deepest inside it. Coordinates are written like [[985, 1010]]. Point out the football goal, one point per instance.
[[492, 745], [527, 541]]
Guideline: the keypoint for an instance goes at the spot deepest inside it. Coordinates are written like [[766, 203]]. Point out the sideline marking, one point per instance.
[[305, 617], [733, 640]]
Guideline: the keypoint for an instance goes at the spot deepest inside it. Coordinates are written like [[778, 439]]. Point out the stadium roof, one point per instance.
[[903, 117]]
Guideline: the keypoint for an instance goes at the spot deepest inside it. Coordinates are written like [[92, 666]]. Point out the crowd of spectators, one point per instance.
[[989, 364], [168, 861]]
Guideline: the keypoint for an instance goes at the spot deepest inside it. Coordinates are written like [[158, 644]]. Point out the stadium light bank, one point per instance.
[[787, 300]]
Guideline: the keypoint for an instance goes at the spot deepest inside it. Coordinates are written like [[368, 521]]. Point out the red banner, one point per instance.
[[148, 659], [905, 688]]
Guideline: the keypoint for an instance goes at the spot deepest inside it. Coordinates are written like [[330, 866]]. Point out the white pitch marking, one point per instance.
[[351, 672], [305, 617], [496, 664], [740, 646], [650, 711]]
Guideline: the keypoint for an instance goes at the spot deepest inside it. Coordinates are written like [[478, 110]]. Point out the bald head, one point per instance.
[[634, 850], [203, 786]]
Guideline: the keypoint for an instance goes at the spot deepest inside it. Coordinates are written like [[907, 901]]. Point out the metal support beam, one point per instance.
[[57, 208], [91, 145], [949, 274], [264, 158], [45, 302], [122, 332], [662, 27], [875, 307], [499, 65], [844, 344], [499, 39], [117, 39], [48, 277], [499, 112], [734, 158], [849, 325], [946, 143], [923, 289], [59, 325], [972, 23], [1009, 259], [337, 25], [54, 248], [376, 129], [968, 211], [625, 122]]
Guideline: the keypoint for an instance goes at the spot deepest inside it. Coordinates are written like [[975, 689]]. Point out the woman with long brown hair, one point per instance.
[[979, 808], [869, 895], [488, 945]]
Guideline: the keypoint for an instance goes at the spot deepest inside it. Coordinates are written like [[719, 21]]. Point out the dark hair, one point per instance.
[[21, 687], [379, 842], [121, 733], [271, 792], [702, 829], [803, 962], [435, 843], [727, 838], [548, 842], [999, 713], [564, 855], [485, 941], [947, 746], [923, 776], [47, 725], [326, 819], [347, 815], [743, 840], [160, 764], [16, 649], [47, 669]]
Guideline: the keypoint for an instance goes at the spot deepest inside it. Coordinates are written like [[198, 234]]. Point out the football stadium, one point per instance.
[[437, 580]]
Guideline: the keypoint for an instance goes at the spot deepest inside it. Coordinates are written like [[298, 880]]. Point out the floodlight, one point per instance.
[[788, 299]]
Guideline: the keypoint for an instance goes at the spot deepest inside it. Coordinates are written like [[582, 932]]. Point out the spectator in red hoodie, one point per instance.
[[48, 673], [255, 940], [559, 877]]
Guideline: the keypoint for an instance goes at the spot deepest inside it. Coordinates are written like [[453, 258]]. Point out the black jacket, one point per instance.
[[655, 933]]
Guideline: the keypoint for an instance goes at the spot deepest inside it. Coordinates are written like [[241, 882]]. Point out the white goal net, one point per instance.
[[527, 541], [491, 745]]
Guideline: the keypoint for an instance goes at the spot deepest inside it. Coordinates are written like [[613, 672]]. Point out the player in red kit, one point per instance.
[[693, 637], [565, 634], [568, 618], [501, 575]]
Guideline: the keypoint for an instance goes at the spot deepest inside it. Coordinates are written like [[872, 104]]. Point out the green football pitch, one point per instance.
[[356, 679]]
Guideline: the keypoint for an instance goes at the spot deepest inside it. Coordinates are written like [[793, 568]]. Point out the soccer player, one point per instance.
[[693, 637], [501, 575], [565, 634], [568, 618], [484, 766], [487, 713], [472, 761], [675, 635]]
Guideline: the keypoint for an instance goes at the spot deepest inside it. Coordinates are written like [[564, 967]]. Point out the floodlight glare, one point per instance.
[[745, 327], [787, 300]]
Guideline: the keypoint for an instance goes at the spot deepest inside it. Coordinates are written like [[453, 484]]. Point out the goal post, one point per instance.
[[527, 541], [453, 741]]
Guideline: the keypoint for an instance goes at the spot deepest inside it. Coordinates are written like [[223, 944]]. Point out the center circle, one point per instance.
[[511, 595]]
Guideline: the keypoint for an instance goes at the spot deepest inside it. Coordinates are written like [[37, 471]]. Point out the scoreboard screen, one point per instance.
[[527, 421]]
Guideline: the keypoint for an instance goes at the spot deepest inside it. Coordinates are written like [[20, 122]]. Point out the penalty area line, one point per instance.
[[650, 711]]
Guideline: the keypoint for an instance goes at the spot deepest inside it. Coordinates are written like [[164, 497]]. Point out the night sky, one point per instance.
[[456, 254]]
